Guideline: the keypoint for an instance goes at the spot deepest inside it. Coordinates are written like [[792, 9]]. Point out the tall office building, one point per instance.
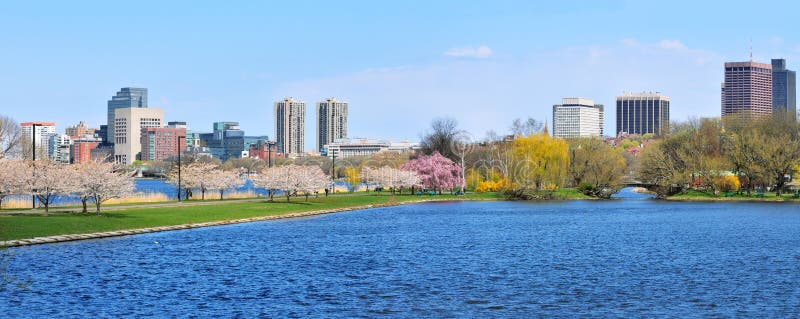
[[642, 113], [747, 91], [43, 132], [784, 89], [290, 126], [331, 122], [125, 98], [577, 117], [128, 125]]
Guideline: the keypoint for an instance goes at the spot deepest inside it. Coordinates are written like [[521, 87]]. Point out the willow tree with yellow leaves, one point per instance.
[[539, 165]]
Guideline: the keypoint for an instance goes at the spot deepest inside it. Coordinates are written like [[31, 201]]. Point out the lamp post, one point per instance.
[[179, 166], [333, 172], [33, 161]]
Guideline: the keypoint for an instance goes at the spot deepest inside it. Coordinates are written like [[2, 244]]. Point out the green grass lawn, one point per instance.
[[570, 193], [694, 194], [29, 226]]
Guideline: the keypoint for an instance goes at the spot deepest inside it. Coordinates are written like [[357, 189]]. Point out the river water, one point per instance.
[[622, 258]]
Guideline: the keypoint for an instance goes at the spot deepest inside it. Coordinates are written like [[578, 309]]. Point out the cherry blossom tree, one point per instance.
[[193, 176], [100, 181], [311, 179], [407, 179], [269, 179], [12, 177], [292, 179], [221, 180], [436, 171], [48, 180], [391, 178]]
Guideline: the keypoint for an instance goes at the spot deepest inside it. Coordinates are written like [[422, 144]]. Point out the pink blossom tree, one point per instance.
[[436, 171]]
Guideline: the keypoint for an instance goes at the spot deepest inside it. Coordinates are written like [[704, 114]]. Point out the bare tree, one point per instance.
[[440, 138], [526, 127], [10, 137]]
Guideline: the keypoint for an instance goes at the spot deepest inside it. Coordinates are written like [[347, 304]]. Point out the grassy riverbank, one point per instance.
[[696, 195], [39, 225]]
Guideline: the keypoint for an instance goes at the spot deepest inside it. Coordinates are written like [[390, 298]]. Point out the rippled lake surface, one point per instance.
[[626, 258]]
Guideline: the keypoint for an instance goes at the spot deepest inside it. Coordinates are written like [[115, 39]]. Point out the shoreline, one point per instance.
[[734, 199], [136, 231]]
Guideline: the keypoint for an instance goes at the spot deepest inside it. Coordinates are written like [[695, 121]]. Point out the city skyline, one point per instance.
[[498, 58]]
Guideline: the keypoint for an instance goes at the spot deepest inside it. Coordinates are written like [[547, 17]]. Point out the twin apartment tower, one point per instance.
[[290, 124]]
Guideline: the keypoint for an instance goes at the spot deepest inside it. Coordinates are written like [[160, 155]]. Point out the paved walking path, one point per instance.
[[91, 208]]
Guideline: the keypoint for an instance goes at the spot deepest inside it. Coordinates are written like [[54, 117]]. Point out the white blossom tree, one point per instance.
[[390, 178], [269, 179], [48, 180], [193, 176], [221, 180], [12, 177], [311, 179], [407, 179], [100, 181], [292, 179], [369, 176]]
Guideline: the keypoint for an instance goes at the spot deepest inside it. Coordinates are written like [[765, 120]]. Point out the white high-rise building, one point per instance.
[[577, 117], [128, 125], [42, 132], [290, 126], [331, 122], [60, 147]]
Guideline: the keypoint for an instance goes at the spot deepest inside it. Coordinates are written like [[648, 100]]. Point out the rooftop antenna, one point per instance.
[[751, 49]]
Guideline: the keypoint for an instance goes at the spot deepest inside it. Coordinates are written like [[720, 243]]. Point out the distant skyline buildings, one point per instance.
[[126, 97], [784, 87], [747, 90], [290, 126], [331, 122], [578, 117], [643, 113], [225, 141]]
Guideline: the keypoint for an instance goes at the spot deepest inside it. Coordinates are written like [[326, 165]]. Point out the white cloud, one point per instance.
[[481, 52], [671, 45]]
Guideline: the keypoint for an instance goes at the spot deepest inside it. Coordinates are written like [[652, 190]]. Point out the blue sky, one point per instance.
[[399, 64]]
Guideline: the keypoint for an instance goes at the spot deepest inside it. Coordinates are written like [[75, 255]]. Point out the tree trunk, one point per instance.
[[306, 196], [83, 201], [97, 205], [203, 193], [220, 194], [288, 194]]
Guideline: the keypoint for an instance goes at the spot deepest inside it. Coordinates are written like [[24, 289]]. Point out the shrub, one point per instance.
[[729, 183]]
